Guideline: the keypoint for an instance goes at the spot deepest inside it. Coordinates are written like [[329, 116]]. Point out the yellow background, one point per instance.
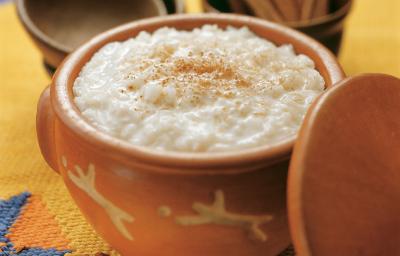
[[371, 44]]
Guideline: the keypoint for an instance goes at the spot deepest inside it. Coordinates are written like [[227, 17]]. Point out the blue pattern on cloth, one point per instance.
[[37, 252], [9, 211]]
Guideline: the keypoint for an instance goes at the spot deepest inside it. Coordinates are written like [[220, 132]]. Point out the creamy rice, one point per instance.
[[203, 90]]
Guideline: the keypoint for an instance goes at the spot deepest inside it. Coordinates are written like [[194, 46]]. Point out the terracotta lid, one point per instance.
[[344, 178]]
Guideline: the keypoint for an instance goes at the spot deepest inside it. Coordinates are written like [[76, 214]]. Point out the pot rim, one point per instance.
[[68, 113]]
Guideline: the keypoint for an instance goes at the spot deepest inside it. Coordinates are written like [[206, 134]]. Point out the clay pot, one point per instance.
[[59, 27], [145, 202]]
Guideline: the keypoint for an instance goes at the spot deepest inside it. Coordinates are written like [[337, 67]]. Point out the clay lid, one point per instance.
[[344, 178]]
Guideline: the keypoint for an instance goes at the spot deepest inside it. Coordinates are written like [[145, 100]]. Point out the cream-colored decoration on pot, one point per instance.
[[217, 214], [86, 182]]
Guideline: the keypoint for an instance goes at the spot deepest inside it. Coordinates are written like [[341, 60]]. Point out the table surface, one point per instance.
[[371, 44]]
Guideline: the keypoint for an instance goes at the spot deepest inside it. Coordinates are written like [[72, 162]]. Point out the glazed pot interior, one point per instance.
[[68, 113]]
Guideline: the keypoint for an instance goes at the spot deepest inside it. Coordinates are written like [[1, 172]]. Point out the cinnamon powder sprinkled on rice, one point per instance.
[[203, 90]]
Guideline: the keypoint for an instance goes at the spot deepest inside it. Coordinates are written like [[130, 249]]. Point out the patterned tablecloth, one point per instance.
[[37, 216]]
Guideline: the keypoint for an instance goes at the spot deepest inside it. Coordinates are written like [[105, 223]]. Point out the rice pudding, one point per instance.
[[204, 90]]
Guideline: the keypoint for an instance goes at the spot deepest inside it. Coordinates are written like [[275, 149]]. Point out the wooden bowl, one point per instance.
[[59, 27], [326, 29], [145, 202]]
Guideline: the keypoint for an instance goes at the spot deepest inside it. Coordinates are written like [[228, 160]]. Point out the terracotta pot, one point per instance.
[[145, 202]]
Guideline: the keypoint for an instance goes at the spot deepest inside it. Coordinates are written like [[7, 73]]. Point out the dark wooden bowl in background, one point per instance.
[[327, 29], [58, 27]]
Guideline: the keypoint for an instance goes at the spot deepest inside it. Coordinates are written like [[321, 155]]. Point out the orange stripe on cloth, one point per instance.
[[36, 228]]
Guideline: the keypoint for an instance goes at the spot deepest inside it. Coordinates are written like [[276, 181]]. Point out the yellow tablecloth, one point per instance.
[[371, 44]]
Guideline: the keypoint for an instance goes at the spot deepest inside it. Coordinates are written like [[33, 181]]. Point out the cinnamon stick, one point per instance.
[[265, 9], [307, 9], [288, 9], [321, 8]]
